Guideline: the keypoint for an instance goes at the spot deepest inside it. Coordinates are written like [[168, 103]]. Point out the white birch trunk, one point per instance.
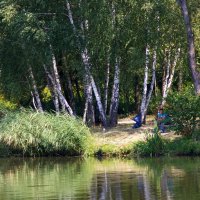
[[106, 86], [61, 96], [89, 108], [173, 68], [164, 92], [169, 76], [35, 93], [33, 100], [152, 81], [54, 95], [56, 78], [85, 59], [115, 96], [144, 96]]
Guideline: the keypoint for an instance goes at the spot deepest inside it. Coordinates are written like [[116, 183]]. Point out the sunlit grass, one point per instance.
[[35, 134]]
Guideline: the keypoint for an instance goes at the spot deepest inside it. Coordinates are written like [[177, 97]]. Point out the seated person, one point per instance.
[[138, 120], [162, 120]]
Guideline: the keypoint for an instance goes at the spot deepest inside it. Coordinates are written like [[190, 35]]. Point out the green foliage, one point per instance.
[[156, 145], [153, 146], [5, 104], [185, 111], [183, 146], [36, 134]]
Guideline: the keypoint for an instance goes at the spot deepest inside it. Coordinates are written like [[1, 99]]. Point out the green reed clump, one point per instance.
[[42, 134], [154, 145], [183, 146]]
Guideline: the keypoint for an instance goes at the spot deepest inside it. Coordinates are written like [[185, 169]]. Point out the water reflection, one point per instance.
[[64, 178]]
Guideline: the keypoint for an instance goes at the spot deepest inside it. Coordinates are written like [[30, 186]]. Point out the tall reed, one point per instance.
[[42, 134]]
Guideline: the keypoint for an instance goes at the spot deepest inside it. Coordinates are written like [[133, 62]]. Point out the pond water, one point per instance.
[[64, 178]]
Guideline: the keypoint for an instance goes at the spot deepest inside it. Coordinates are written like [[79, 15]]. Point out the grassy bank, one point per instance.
[[26, 133], [152, 148], [156, 145]]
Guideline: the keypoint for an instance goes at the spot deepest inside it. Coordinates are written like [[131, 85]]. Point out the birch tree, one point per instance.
[[35, 94], [59, 92], [146, 97], [86, 62], [168, 74], [115, 96]]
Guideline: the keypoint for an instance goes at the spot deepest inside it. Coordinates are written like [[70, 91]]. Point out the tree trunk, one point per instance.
[[99, 104], [57, 79], [106, 86], [144, 96], [166, 78], [169, 76], [152, 82], [180, 80], [54, 95], [115, 96], [60, 95], [147, 96], [191, 47], [35, 93], [88, 116]]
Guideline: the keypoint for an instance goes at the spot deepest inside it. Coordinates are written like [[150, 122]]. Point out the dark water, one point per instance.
[[62, 178]]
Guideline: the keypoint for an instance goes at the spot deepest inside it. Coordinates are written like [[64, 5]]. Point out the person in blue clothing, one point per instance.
[[138, 121], [161, 120]]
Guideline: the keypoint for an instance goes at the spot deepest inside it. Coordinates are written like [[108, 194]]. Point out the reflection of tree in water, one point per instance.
[[120, 186], [114, 185], [144, 179]]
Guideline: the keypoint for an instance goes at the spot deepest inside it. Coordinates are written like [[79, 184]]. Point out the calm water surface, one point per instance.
[[64, 178]]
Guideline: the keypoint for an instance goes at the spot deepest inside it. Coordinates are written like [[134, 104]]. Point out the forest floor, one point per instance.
[[123, 134]]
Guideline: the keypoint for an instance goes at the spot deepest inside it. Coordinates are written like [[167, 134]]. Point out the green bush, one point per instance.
[[36, 134], [184, 147], [185, 111], [153, 146]]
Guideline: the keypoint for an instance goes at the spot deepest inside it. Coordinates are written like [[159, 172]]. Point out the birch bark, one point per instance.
[[114, 104], [89, 108], [61, 96], [54, 95], [57, 79], [152, 82], [169, 75], [115, 96], [144, 96], [106, 85], [35, 93]]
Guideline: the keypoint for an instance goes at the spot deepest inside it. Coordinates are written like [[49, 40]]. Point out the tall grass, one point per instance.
[[35, 134], [154, 145]]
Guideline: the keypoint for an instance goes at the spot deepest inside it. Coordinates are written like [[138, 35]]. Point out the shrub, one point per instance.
[[37, 134], [184, 147], [153, 146], [185, 111]]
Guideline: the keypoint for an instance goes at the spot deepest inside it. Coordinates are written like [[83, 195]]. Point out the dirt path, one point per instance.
[[124, 134]]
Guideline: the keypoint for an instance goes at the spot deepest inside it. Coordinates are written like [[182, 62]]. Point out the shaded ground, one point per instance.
[[124, 134]]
